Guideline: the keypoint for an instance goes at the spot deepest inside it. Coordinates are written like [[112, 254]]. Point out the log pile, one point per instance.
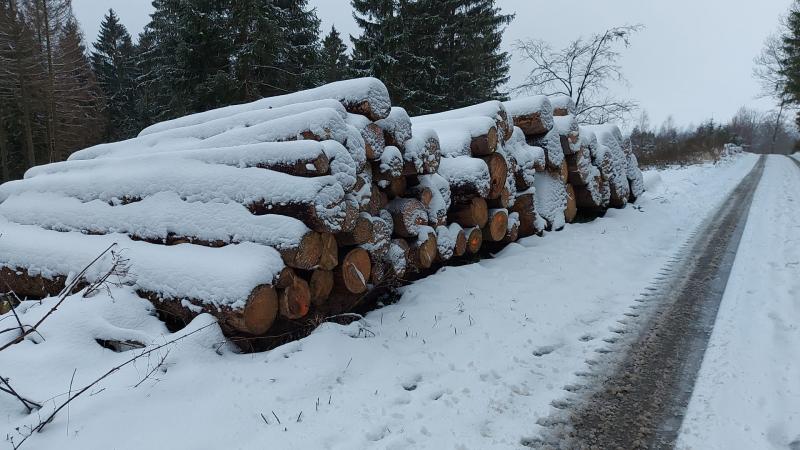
[[307, 202]]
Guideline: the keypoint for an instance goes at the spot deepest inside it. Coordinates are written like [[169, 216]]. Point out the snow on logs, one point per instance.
[[308, 202]]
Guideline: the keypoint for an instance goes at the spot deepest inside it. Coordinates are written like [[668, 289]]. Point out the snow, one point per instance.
[[391, 162], [397, 124], [440, 201], [492, 109], [416, 150], [527, 157], [348, 92], [564, 103], [455, 135], [250, 155], [446, 241], [550, 198], [634, 175], [325, 123], [527, 106], [192, 180], [466, 170], [567, 127], [470, 357], [222, 276], [747, 393], [611, 157], [154, 217], [551, 143]]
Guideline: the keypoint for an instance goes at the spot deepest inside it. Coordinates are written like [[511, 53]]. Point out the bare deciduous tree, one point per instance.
[[770, 72], [582, 70]]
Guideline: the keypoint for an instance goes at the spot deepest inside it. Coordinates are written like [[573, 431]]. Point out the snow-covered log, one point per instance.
[[317, 125], [467, 176], [553, 151], [534, 115], [166, 218], [366, 96], [396, 127], [233, 282], [563, 105], [300, 158], [474, 239], [374, 141], [421, 153], [612, 162], [318, 202], [492, 109], [476, 136], [530, 222], [391, 162], [634, 177], [568, 131], [440, 199]]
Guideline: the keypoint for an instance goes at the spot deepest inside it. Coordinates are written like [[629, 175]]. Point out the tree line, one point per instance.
[[57, 96]]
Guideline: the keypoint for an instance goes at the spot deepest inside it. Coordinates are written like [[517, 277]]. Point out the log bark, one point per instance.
[[30, 286], [408, 214], [306, 212], [471, 214], [422, 193], [353, 271], [532, 124], [498, 171], [495, 229], [374, 141], [300, 167], [502, 201]]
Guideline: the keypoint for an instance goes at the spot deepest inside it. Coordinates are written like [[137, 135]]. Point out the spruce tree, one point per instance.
[[374, 50], [790, 67], [334, 59], [114, 65], [298, 58], [78, 98]]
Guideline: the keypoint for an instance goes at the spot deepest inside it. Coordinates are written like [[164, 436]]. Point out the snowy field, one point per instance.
[[469, 358], [747, 394]]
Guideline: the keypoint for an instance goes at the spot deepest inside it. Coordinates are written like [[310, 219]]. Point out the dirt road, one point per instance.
[[636, 395]]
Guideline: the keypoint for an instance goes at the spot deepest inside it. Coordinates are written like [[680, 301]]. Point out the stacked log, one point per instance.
[[309, 202]]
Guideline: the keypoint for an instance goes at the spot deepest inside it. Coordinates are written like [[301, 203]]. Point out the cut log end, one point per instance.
[[497, 227], [475, 213], [485, 144], [474, 239], [353, 273], [498, 171], [461, 244], [423, 254], [321, 285], [295, 299], [260, 311], [572, 205], [330, 252]]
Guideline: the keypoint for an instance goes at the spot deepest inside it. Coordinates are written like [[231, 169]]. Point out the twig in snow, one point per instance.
[[29, 405], [263, 417], [42, 423], [276, 417], [160, 364], [71, 380], [299, 416]]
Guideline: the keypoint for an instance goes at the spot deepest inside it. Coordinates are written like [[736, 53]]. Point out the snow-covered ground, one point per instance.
[[747, 395], [469, 358]]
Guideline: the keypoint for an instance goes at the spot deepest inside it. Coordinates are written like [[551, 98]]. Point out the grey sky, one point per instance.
[[693, 60]]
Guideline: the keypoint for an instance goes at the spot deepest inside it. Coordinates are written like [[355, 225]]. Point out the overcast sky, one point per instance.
[[693, 60]]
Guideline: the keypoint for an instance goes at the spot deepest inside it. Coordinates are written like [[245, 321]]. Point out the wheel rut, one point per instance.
[[637, 396]]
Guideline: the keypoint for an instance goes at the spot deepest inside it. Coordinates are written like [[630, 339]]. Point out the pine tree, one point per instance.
[[334, 59], [114, 65], [790, 67]]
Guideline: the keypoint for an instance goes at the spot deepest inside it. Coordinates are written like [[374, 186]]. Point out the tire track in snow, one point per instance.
[[637, 398]]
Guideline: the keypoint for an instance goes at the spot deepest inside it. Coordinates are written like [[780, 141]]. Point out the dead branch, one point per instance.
[[29, 404], [42, 423]]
